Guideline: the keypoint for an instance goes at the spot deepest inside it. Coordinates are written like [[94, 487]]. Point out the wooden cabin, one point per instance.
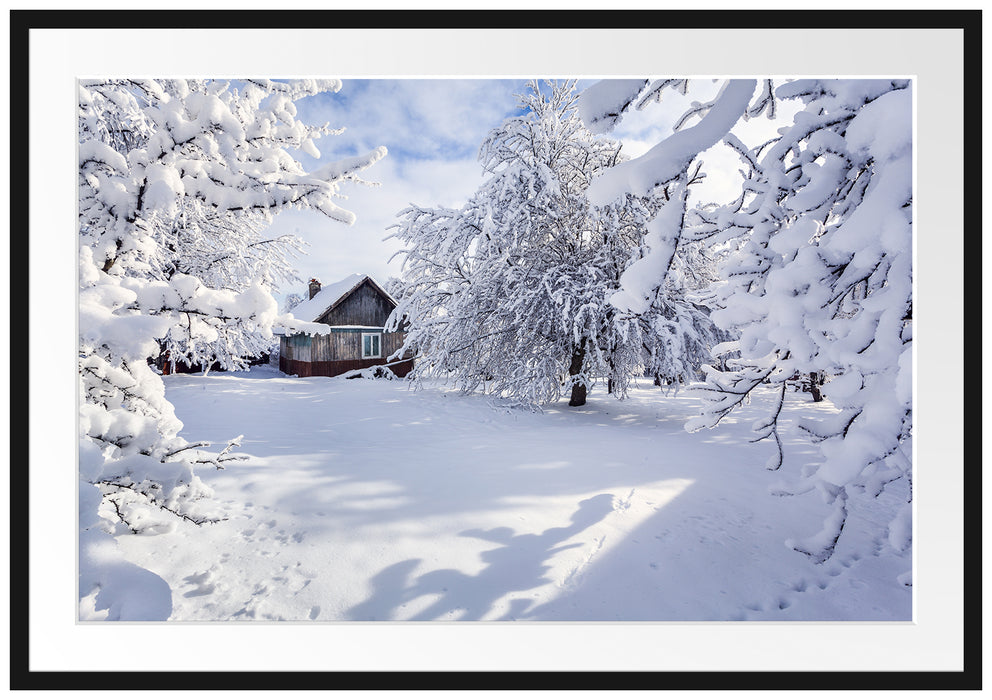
[[356, 309]]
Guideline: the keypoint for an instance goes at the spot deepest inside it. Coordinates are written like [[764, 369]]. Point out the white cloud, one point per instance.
[[421, 118], [336, 251]]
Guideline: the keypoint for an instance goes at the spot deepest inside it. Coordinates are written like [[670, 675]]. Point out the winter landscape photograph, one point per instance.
[[560, 349]]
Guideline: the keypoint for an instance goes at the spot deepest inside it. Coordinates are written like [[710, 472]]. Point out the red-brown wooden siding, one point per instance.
[[333, 369]]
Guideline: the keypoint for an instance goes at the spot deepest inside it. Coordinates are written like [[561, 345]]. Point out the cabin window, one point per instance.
[[371, 345]]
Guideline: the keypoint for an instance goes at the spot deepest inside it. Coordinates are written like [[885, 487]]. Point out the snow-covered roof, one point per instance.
[[329, 295]]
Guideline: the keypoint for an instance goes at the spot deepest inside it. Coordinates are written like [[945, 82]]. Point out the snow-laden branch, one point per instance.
[[670, 158]]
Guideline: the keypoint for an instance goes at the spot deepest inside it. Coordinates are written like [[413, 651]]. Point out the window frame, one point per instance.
[[377, 343]]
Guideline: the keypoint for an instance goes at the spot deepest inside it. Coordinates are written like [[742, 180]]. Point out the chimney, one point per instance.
[[314, 287]]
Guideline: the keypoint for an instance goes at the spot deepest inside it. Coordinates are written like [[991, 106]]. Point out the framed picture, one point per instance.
[[220, 635]]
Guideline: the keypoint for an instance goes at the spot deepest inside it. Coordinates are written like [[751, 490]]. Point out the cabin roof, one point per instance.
[[331, 295]]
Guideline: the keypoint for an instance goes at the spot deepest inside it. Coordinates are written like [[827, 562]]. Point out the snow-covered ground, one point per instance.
[[365, 500]]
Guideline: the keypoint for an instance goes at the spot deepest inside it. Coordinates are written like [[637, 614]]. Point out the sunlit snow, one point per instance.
[[365, 500]]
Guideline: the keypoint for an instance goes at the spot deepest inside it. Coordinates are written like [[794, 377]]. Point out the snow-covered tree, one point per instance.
[[674, 314], [291, 301], [510, 293], [820, 277], [394, 287], [173, 176], [679, 334], [229, 252], [828, 255]]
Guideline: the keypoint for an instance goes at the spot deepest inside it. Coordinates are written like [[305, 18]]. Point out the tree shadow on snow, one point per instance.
[[516, 565]]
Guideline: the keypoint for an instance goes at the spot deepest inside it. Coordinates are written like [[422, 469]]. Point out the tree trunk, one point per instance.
[[609, 382], [578, 389], [814, 386]]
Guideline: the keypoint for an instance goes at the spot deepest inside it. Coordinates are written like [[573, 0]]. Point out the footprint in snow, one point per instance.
[[623, 505], [292, 579], [203, 584]]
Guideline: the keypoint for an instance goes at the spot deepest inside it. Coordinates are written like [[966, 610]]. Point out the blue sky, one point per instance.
[[432, 129]]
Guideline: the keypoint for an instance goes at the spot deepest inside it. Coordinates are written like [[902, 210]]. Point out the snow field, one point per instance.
[[365, 500]]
